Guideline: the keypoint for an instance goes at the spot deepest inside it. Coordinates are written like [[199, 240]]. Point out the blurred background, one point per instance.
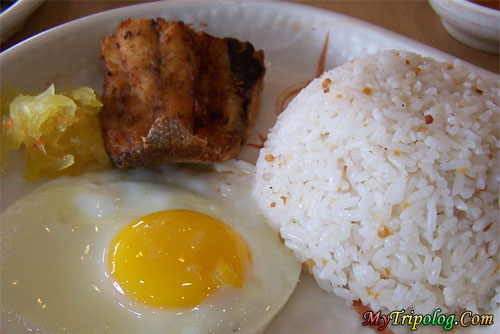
[[412, 18]]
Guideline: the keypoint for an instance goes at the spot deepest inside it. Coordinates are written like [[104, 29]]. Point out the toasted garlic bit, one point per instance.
[[281, 238], [326, 85], [309, 263], [283, 198], [488, 227], [269, 157], [384, 231]]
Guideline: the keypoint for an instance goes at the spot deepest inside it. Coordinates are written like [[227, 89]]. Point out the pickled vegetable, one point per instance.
[[59, 133]]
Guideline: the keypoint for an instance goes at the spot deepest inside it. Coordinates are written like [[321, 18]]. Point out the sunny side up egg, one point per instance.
[[167, 250]]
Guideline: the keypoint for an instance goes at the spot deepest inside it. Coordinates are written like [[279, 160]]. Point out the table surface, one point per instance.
[[411, 18]]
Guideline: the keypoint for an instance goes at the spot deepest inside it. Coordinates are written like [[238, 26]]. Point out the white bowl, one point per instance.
[[472, 24], [13, 18]]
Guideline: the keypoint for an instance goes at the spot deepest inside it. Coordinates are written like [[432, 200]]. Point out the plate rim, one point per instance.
[[14, 16], [114, 12], [99, 18]]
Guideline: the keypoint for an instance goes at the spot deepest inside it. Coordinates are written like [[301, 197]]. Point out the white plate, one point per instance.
[[292, 37], [12, 19]]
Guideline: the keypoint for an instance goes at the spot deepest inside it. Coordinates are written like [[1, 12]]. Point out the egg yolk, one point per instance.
[[177, 258]]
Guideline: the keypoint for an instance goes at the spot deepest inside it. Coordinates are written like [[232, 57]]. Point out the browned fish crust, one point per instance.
[[175, 95]]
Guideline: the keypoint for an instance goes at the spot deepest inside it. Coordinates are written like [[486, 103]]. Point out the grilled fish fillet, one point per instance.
[[175, 95]]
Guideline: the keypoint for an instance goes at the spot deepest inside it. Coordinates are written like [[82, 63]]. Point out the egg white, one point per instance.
[[54, 244]]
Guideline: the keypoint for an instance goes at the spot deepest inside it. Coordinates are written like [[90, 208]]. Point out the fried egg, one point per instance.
[[167, 250]]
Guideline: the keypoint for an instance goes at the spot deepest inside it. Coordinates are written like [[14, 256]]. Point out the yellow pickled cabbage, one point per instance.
[[60, 133]]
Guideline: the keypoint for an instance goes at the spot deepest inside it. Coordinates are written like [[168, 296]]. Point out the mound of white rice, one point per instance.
[[383, 177]]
